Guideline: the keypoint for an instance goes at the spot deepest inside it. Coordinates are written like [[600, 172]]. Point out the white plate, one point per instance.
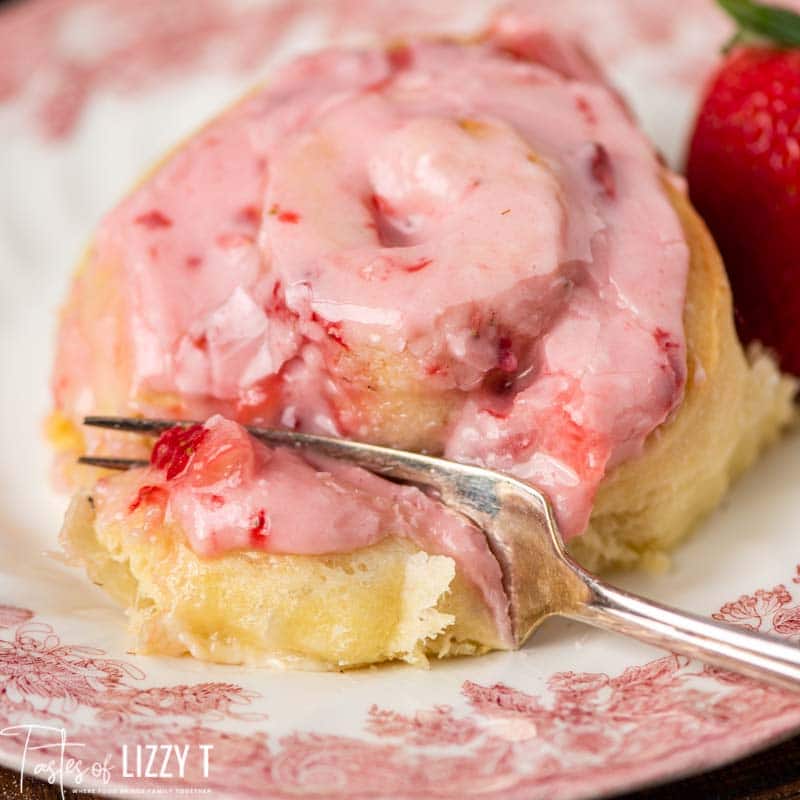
[[91, 92]]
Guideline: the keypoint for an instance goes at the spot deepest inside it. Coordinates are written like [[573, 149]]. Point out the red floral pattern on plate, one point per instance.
[[755, 611], [588, 733], [58, 54]]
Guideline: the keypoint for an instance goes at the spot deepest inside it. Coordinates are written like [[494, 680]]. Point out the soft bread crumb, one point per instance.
[[655, 562], [82, 548], [427, 578], [388, 601]]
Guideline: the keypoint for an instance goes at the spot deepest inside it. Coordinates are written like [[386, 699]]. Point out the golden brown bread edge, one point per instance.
[[392, 601]]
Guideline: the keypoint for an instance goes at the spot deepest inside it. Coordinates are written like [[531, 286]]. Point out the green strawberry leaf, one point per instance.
[[780, 25]]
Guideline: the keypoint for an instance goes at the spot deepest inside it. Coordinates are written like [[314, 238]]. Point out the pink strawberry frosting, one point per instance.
[[487, 209]]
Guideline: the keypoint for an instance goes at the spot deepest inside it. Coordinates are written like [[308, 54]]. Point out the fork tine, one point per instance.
[[395, 464], [112, 463], [471, 484], [134, 425]]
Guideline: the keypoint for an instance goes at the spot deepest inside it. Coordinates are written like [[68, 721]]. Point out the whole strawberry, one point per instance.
[[744, 174]]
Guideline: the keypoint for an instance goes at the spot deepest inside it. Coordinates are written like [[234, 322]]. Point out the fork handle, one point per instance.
[[756, 655]]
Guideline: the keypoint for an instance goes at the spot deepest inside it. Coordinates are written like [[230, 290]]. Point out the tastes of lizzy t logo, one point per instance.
[[47, 753], [160, 760]]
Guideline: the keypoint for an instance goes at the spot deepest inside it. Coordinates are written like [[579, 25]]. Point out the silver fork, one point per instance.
[[540, 579]]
